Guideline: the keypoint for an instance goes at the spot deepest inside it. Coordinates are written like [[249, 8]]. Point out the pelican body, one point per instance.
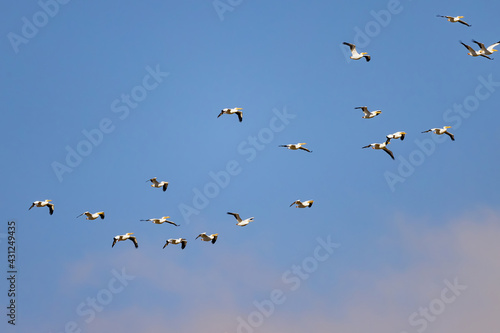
[[381, 146], [232, 111], [455, 19], [120, 238], [296, 146], [302, 204], [355, 55], [486, 50], [158, 184], [208, 238], [397, 135], [441, 131], [176, 241], [43, 204], [241, 222], [367, 113], [162, 220], [93, 216]]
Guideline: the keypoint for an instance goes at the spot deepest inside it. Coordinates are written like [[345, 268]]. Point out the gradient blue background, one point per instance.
[[397, 243]]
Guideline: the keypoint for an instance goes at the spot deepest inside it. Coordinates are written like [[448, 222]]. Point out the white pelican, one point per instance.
[[441, 131], [355, 55], [474, 53], [302, 204], [486, 50], [367, 113], [455, 19], [125, 237], [93, 216], [381, 146], [43, 204], [232, 111], [176, 241], [397, 135], [158, 184], [208, 238], [240, 221], [162, 220], [296, 146]]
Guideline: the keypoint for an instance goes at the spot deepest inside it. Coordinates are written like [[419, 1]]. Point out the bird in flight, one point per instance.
[[367, 113], [295, 146], [232, 111], [240, 221], [302, 204], [441, 131], [455, 19], [181, 241], [208, 238], [161, 221], [474, 53], [158, 184], [125, 237], [381, 146], [397, 135], [43, 204], [355, 55], [93, 216]]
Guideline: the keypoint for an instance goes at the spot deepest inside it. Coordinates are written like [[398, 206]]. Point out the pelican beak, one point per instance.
[[239, 108], [447, 127], [460, 17]]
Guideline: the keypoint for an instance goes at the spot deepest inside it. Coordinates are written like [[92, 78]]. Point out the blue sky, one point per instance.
[[98, 98]]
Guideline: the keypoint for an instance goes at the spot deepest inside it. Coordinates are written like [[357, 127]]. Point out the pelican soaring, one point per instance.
[[162, 220], [367, 113], [208, 238], [455, 19], [125, 237], [486, 50], [295, 146], [232, 111], [397, 135], [93, 216], [176, 241], [302, 204], [441, 131], [474, 53], [355, 55], [381, 146], [157, 183], [43, 204], [240, 221]]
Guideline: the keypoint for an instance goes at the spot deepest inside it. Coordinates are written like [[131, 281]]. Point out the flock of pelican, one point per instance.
[[355, 55]]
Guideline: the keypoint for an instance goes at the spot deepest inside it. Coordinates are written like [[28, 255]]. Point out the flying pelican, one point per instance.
[[231, 111], [296, 146], [367, 113], [397, 135], [441, 131], [455, 19], [381, 146], [43, 204], [302, 204], [93, 216], [208, 238], [176, 241], [486, 50], [158, 184], [125, 237], [162, 220], [355, 55], [240, 221], [473, 52]]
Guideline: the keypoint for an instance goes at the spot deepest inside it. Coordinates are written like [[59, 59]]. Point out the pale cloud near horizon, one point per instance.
[[465, 250]]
